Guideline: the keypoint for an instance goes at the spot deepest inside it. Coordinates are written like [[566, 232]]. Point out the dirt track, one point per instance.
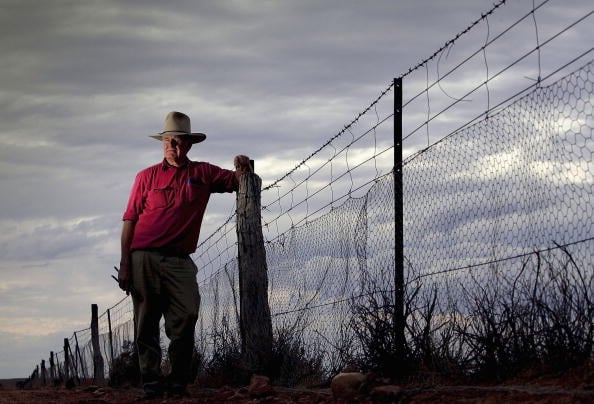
[[443, 394], [574, 386]]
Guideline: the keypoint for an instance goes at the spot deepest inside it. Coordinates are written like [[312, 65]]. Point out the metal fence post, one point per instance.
[[399, 320], [98, 366], [110, 336]]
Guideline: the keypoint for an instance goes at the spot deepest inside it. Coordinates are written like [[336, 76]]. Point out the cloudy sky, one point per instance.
[[83, 84]]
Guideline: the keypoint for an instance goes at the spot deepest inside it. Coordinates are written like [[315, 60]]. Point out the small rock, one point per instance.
[[346, 386], [259, 387], [101, 391]]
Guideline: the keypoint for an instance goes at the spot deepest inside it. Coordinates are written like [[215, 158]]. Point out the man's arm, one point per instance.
[[125, 274]]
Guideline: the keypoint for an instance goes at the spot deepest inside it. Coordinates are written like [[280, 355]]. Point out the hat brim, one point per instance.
[[194, 137]]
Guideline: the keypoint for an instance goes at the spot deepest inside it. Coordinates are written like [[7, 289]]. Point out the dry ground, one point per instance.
[[576, 386]]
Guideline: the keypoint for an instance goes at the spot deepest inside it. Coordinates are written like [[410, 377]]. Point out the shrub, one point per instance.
[[491, 322], [125, 370], [224, 366], [292, 362]]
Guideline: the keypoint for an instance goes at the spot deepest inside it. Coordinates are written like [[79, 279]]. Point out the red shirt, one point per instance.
[[168, 203]]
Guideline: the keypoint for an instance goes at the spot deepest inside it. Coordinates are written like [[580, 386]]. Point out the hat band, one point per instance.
[[174, 131]]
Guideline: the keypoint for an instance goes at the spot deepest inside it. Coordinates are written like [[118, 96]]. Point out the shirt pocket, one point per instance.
[[159, 198], [196, 188]]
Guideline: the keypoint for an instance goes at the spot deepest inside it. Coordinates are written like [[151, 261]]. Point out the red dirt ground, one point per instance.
[[576, 386]]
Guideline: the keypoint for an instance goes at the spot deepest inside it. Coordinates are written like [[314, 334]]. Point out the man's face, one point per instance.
[[175, 148]]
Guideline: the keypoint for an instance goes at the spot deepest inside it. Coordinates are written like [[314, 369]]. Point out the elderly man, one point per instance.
[[160, 230]]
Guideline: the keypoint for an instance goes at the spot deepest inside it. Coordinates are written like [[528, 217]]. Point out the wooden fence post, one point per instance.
[[98, 368], [35, 377], [43, 376], [66, 360], [254, 317], [52, 368]]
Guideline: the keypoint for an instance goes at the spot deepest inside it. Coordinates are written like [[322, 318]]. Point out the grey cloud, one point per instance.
[[55, 239]]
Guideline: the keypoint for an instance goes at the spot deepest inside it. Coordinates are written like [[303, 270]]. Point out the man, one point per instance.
[[160, 230]]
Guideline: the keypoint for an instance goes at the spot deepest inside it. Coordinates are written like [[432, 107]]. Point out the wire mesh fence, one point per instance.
[[498, 188], [510, 184]]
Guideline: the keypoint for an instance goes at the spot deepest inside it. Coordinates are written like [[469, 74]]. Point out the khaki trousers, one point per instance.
[[164, 285]]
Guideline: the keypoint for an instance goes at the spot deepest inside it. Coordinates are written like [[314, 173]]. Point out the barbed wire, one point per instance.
[[388, 89]]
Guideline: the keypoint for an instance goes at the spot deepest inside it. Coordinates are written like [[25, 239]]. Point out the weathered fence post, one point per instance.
[[52, 368], [98, 368], [66, 360], [254, 317], [35, 377], [43, 376]]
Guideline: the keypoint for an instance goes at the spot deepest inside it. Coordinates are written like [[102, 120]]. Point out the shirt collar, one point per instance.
[[165, 165]]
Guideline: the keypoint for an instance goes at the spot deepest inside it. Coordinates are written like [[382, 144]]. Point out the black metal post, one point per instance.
[[110, 337], [98, 364], [399, 224]]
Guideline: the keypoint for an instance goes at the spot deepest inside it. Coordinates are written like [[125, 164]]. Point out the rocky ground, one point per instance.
[[576, 386]]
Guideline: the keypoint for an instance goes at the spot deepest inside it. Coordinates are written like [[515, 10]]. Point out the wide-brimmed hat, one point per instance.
[[178, 124]]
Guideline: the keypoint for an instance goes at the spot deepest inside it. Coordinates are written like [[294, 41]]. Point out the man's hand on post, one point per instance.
[[242, 165]]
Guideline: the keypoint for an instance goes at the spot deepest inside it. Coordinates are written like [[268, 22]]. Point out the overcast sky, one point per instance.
[[84, 83]]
